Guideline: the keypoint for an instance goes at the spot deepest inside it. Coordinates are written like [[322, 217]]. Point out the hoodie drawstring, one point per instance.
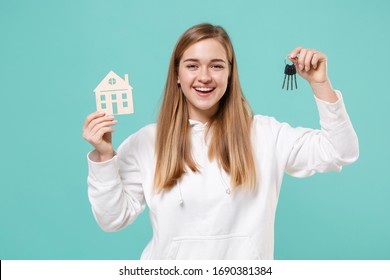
[[180, 198], [225, 184]]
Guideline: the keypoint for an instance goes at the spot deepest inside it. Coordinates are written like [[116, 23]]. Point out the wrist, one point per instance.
[[106, 156], [96, 156], [324, 91], [326, 84]]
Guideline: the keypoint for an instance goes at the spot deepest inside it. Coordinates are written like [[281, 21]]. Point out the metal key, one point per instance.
[[290, 70]]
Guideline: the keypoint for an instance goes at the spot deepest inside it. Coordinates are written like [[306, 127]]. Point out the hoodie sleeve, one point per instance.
[[115, 190], [305, 151]]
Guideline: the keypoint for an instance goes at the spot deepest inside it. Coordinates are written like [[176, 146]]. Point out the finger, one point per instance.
[[92, 116], [99, 120], [315, 59], [308, 59], [97, 138], [91, 130], [294, 53], [301, 59], [318, 57], [101, 126]]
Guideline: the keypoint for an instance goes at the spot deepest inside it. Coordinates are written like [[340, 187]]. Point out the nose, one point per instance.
[[204, 75]]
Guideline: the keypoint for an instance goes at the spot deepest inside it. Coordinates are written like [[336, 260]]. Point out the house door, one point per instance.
[[115, 108]]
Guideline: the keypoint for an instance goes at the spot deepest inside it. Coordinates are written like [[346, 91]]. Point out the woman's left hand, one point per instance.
[[310, 64]]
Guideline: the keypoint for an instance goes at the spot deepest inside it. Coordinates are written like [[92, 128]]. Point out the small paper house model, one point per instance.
[[114, 95]]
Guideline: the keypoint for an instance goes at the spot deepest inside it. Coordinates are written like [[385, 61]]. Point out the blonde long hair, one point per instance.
[[230, 142]]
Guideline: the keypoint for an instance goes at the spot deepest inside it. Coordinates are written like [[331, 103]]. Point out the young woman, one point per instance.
[[210, 171]]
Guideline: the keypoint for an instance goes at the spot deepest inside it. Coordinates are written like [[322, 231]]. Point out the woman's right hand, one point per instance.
[[97, 131]]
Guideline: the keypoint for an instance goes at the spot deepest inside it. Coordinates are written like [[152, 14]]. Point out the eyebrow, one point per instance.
[[197, 60]]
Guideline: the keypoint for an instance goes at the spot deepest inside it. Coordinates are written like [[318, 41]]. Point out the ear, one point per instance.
[[178, 81]]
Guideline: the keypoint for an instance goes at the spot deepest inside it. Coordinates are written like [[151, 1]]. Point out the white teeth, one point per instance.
[[204, 89]]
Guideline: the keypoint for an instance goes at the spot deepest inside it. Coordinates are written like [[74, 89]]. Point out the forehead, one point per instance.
[[207, 49]]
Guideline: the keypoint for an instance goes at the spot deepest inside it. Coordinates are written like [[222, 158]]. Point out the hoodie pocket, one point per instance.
[[216, 247]]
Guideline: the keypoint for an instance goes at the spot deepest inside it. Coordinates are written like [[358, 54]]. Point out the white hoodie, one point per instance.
[[200, 218]]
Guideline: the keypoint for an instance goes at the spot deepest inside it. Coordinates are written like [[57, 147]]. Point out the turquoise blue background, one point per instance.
[[54, 53]]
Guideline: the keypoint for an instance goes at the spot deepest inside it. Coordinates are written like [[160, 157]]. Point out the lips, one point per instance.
[[204, 90]]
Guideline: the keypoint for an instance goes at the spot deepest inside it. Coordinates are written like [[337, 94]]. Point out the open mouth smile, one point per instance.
[[204, 90]]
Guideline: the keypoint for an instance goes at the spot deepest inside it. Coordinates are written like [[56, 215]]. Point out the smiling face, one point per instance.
[[203, 76]]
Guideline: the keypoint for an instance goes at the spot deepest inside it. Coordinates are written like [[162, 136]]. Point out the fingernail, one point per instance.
[[300, 66]]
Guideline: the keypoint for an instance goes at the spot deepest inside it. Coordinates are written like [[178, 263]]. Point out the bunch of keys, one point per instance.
[[290, 70]]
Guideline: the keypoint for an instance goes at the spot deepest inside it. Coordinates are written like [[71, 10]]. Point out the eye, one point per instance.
[[217, 66], [192, 66]]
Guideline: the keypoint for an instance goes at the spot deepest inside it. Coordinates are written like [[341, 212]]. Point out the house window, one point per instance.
[[102, 98], [113, 96], [112, 81], [125, 104], [104, 106], [124, 95]]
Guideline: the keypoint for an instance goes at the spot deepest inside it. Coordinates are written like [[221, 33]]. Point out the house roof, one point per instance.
[[113, 82]]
